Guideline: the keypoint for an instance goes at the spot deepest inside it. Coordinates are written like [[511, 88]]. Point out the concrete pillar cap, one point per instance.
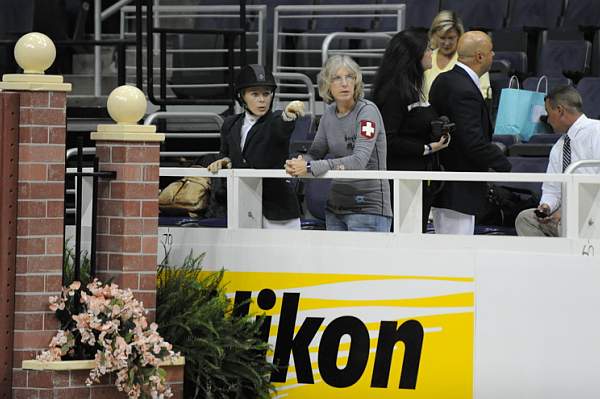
[[35, 52], [126, 105]]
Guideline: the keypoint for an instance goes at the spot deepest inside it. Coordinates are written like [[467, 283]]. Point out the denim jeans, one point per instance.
[[357, 222]]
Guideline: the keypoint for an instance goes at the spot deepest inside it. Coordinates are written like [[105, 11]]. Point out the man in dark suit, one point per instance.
[[456, 94]]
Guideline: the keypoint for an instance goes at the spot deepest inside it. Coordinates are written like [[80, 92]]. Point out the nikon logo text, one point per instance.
[[410, 333]]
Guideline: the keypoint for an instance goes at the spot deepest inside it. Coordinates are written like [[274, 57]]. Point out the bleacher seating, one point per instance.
[[419, 13], [581, 13], [531, 83], [544, 138], [316, 192], [534, 13], [558, 56], [528, 165], [589, 88], [480, 14], [539, 150], [517, 60], [507, 139]]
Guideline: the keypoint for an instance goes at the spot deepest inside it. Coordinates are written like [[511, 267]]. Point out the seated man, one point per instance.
[[581, 141]]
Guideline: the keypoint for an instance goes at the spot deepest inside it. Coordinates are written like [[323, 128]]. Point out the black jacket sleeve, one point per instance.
[[282, 130], [466, 109], [399, 143]]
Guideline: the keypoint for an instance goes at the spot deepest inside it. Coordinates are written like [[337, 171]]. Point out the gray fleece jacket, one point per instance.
[[355, 141]]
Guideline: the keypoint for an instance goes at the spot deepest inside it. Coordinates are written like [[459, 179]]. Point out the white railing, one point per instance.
[[580, 212]]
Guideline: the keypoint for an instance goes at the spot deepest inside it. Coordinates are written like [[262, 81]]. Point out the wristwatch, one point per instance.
[[428, 149], [308, 169]]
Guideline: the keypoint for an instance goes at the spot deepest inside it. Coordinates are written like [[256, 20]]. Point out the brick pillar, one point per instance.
[[40, 198], [127, 224], [40, 220], [128, 217]]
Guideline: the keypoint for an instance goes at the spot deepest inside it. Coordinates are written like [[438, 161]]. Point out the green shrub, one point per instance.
[[225, 358], [69, 265]]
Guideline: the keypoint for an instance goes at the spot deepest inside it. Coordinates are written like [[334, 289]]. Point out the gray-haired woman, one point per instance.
[[350, 131]]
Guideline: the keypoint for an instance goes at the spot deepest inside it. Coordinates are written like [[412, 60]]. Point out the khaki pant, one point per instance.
[[527, 224]]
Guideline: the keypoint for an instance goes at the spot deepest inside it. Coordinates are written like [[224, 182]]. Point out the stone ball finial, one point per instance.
[[126, 104], [35, 52]]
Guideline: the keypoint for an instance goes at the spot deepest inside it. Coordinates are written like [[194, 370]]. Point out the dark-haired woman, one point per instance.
[[398, 92]]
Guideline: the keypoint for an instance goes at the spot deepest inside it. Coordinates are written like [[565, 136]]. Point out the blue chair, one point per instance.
[[581, 13], [483, 14], [419, 13], [316, 192], [304, 129], [589, 88], [564, 55], [547, 138], [527, 165], [534, 13], [507, 139], [540, 150], [531, 83], [516, 59]]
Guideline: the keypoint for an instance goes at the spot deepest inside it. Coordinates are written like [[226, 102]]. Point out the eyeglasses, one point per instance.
[[346, 79]]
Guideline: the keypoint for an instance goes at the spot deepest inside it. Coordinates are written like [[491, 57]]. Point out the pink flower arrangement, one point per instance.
[[111, 322]]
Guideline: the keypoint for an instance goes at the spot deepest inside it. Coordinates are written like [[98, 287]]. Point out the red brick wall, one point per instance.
[[127, 242], [128, 217], [39, 221], [71, 385]]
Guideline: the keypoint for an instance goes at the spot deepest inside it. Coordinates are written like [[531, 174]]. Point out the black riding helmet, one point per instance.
[[253, 75]]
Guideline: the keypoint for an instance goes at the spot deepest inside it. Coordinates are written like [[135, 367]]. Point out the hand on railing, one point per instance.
[[219, 164], [296, 166], [294, 110]]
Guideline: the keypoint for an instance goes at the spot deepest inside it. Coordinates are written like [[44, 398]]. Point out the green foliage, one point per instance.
[[69, 265], [225, 358]]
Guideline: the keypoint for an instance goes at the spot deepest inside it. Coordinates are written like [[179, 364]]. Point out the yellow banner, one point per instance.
[[364, 336]]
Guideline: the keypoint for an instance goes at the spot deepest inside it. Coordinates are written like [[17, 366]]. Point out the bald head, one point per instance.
[[475, 50]]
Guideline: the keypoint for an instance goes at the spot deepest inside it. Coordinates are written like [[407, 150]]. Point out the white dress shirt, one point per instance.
[[585, 144], [249, 121], [471, 73]]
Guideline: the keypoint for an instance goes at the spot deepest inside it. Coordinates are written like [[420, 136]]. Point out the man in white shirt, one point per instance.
[[581, 141]]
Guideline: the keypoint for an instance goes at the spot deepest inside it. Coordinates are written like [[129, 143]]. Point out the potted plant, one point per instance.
[[107, 324], [225, 355]]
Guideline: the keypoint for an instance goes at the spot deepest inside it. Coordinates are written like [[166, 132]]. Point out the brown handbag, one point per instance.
[[189, 194]]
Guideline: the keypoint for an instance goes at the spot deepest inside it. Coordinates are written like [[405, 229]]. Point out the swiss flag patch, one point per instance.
[[367, 129]]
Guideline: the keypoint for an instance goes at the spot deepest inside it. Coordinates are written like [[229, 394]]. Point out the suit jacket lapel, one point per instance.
[[236, 133], [488, 118]]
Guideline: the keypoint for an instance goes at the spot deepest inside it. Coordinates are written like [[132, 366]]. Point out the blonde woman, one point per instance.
[[351, 131], [446, 29]]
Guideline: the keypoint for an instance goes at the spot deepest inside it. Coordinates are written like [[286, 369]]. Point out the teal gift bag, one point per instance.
[[520, 110]]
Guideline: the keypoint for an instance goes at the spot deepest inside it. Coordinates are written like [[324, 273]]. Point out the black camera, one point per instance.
[[440, 127]]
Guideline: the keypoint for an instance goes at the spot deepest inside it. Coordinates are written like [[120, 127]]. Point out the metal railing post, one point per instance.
[[97, 49]]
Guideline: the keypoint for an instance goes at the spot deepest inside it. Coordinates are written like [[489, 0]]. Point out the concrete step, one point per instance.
[[84, 63], [84, 83]]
